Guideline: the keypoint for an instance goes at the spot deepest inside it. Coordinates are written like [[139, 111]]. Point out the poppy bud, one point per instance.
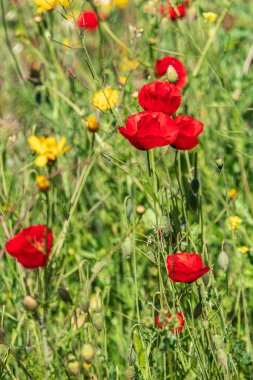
[[130, 373], [95, 303], [195, 185], [64, 295], [223, 260], [205, 324], [197, 310], [98, 321], [193, 202], [206, 278], [219, 163], [222, 358], [85, 306], [30, 303], [127, 248], [2, 336], [172, 74], [88, 352], [74, 368]]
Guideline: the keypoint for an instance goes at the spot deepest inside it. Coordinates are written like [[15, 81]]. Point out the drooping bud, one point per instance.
[[197, 310], [195, 185], [95, 303], [172, 74], [98, 321], [88, 352], [30, 303], [223, 260], [127, 248], [64, 295]]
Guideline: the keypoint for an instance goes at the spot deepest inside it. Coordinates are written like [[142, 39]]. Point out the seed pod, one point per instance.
[[195, 185], [193, 202], [95, 303], [88, 352], [219, 163], [197, 310], [127, 248], [140, 209], [30, 303], [222, 358], [2, 336], [223, 260], [64, 295], [130, 373], [74, 368], [98, 321]]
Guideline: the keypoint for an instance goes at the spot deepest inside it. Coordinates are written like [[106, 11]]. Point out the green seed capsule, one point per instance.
[[98, 321]]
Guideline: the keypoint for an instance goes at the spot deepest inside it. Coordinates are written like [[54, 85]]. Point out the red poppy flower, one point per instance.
[[177, 320], [31, 246], [160, 97], [189, 129], [174, 13], [174, 70], [185, 267], [148, 130], [87, 20]]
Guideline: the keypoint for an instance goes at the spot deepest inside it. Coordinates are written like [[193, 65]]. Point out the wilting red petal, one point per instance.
[[160, 97], [185, 267], [31, 247]]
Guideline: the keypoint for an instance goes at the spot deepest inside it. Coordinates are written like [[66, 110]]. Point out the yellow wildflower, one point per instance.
[[232, 194], [47, 148], [234, 222], [42, 182], [92, 123], [48, 5], [210, 16], [127, 64], [122, 80], [243, 249], [120, 3], [105, 99]]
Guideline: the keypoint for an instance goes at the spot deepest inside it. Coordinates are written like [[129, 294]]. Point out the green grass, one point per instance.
[[102, 246]]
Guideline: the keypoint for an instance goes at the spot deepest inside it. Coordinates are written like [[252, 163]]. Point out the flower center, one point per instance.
[[172, 74]]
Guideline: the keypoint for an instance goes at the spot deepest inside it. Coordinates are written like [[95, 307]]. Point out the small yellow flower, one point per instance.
[[243, 249], [105, 99], [210, 16], [47, 148], [6, 208], [234, 222], [127, 64], [92, 123], [48, 5], [120, 3], [86, 365], [42, 182], [122, 80], [232, 194]]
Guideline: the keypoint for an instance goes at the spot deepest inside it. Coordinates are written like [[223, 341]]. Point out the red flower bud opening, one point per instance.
[[185, 267], [87, 20]]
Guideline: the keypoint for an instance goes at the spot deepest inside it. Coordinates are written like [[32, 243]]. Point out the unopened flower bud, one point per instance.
[[193, 201], [74, 368], [64, 295], [98, 321], [205, 324], [172, 74], [95, 303], [30, 303], [223, 260], [92, 123], [88, 352], [195, 185], [127, 248], [219, 163], [140, 209], [197, 310]]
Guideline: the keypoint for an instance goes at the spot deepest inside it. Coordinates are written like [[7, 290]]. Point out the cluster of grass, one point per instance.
[[107, 279]]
